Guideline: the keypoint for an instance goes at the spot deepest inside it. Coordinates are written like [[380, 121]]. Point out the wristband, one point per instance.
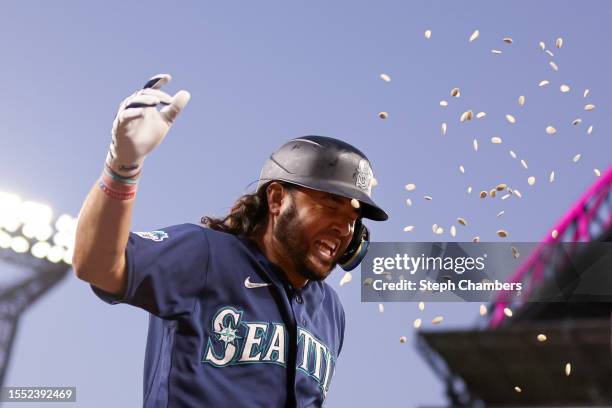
[[116, 186]]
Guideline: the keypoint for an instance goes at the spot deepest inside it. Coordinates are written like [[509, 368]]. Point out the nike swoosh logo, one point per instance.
[[252, 285]]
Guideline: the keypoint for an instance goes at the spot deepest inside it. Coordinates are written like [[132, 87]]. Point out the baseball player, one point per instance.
[[240, 315]]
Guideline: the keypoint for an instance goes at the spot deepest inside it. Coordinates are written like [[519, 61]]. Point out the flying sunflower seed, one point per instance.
[[437, 320], [355, 203], [590, 130], [374, 182], [408, 202], [381, 307], [515, 252], [589, 107], [408, 228], [517, 389], [428, 198], [410, 186], [496, 140], [403, 339], [521, 100], [346, 278], [508, 311], [551, 178], [417, 323], [383, 115], [428, 34], [506, 196], [481, 115], [474, 35], [564, 88], [469, 190], [496, 51], [443, 103], [453, 231], [553, 66], [475, 144], [499, 214], [568, 369], [501, 187], [542, 46], [462, 169], [524, 164], [467, 115], [385, 77], [512, 154], [541, 337], [483, 310], [551, 130], [507, 40], [517, 193], [586, 93], [476, 239], [368, 281], [576, 158], [440, 231], [576, 121], [462, 221], [455, 93], [597, 172], [531, 180], [559, 42], [421, 306], [483, 194], [543, 83], [502, 233], [434, 227], [443, 129], [554, 234], [492, 193], [510, 119], [549, 52]]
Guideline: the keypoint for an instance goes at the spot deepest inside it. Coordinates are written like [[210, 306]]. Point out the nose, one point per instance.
[[344, 227]]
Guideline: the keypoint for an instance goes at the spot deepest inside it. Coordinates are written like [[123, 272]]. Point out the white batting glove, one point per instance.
[[139, 127]]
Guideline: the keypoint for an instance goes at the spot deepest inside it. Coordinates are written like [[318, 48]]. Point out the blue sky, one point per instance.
[[261, 73]]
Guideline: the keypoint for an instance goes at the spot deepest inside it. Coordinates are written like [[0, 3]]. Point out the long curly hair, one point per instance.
[[248, 212]]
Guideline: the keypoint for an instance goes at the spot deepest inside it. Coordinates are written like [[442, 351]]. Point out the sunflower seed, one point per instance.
[[551, 130], [368, 281], [440, 231], [385, 77], [346, 278], [554, 234], [590, 130], [597, 172], [443, 129], [502, 233], [408, 228], [455, 93], [559, 42], [410, 186], [508, 311], [505, 196], [403, 339], [437, 320], [501, 187], [408, 202], [531, 180], [428, 34], [475, 144], [462, 221], [515, 252], [428, 198], [507, 40], [517, 193], [434, 228], [476, 239], [551, 178], [499, 214], [542, 46], [483, 310], [510, 119], [374, 182], [469, 190], [576, 158], [417, 323], [549, 52], [553, 66], [381, 307], [474, 35], [521, 100], [512, 154], [517, 389], [462, 169], [481, 115], [483, 194], [589, 107], [421, 306], [492, 193], [496, 140], [564, 88], [355, 203], [383, 115], [496, 51], [568, 369], [467, 115], [576, 121], [541, 337], [453, 231], [524, 164], [586, 93], [443, 103], [543, 83]]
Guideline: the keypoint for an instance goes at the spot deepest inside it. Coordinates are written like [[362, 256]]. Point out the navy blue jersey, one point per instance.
[[226, 328]]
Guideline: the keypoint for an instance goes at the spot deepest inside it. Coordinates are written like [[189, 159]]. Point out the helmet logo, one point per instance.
[[364, 176]]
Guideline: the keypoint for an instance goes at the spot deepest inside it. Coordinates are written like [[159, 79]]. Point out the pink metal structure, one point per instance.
[[582, 223]]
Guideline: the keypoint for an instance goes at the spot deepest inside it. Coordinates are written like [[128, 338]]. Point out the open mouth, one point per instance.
[[327, 249]]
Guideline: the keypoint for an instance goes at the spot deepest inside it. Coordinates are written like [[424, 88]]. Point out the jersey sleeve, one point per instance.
[[166, 270], [342, 327]]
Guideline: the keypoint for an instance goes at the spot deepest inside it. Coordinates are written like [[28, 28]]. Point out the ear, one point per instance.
[[275, 193]]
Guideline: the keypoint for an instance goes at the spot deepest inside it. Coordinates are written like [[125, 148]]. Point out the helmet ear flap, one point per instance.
[[357, 248]]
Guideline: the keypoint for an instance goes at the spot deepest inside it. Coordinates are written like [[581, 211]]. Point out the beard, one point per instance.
[[290, 233]]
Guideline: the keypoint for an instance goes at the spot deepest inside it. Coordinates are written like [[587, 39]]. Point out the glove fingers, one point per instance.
[[163, 97], [140, 101], [158, 81], [179, 101], [130, 114]]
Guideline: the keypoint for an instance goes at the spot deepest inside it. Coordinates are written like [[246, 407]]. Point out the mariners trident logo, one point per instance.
[[364, 176]]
